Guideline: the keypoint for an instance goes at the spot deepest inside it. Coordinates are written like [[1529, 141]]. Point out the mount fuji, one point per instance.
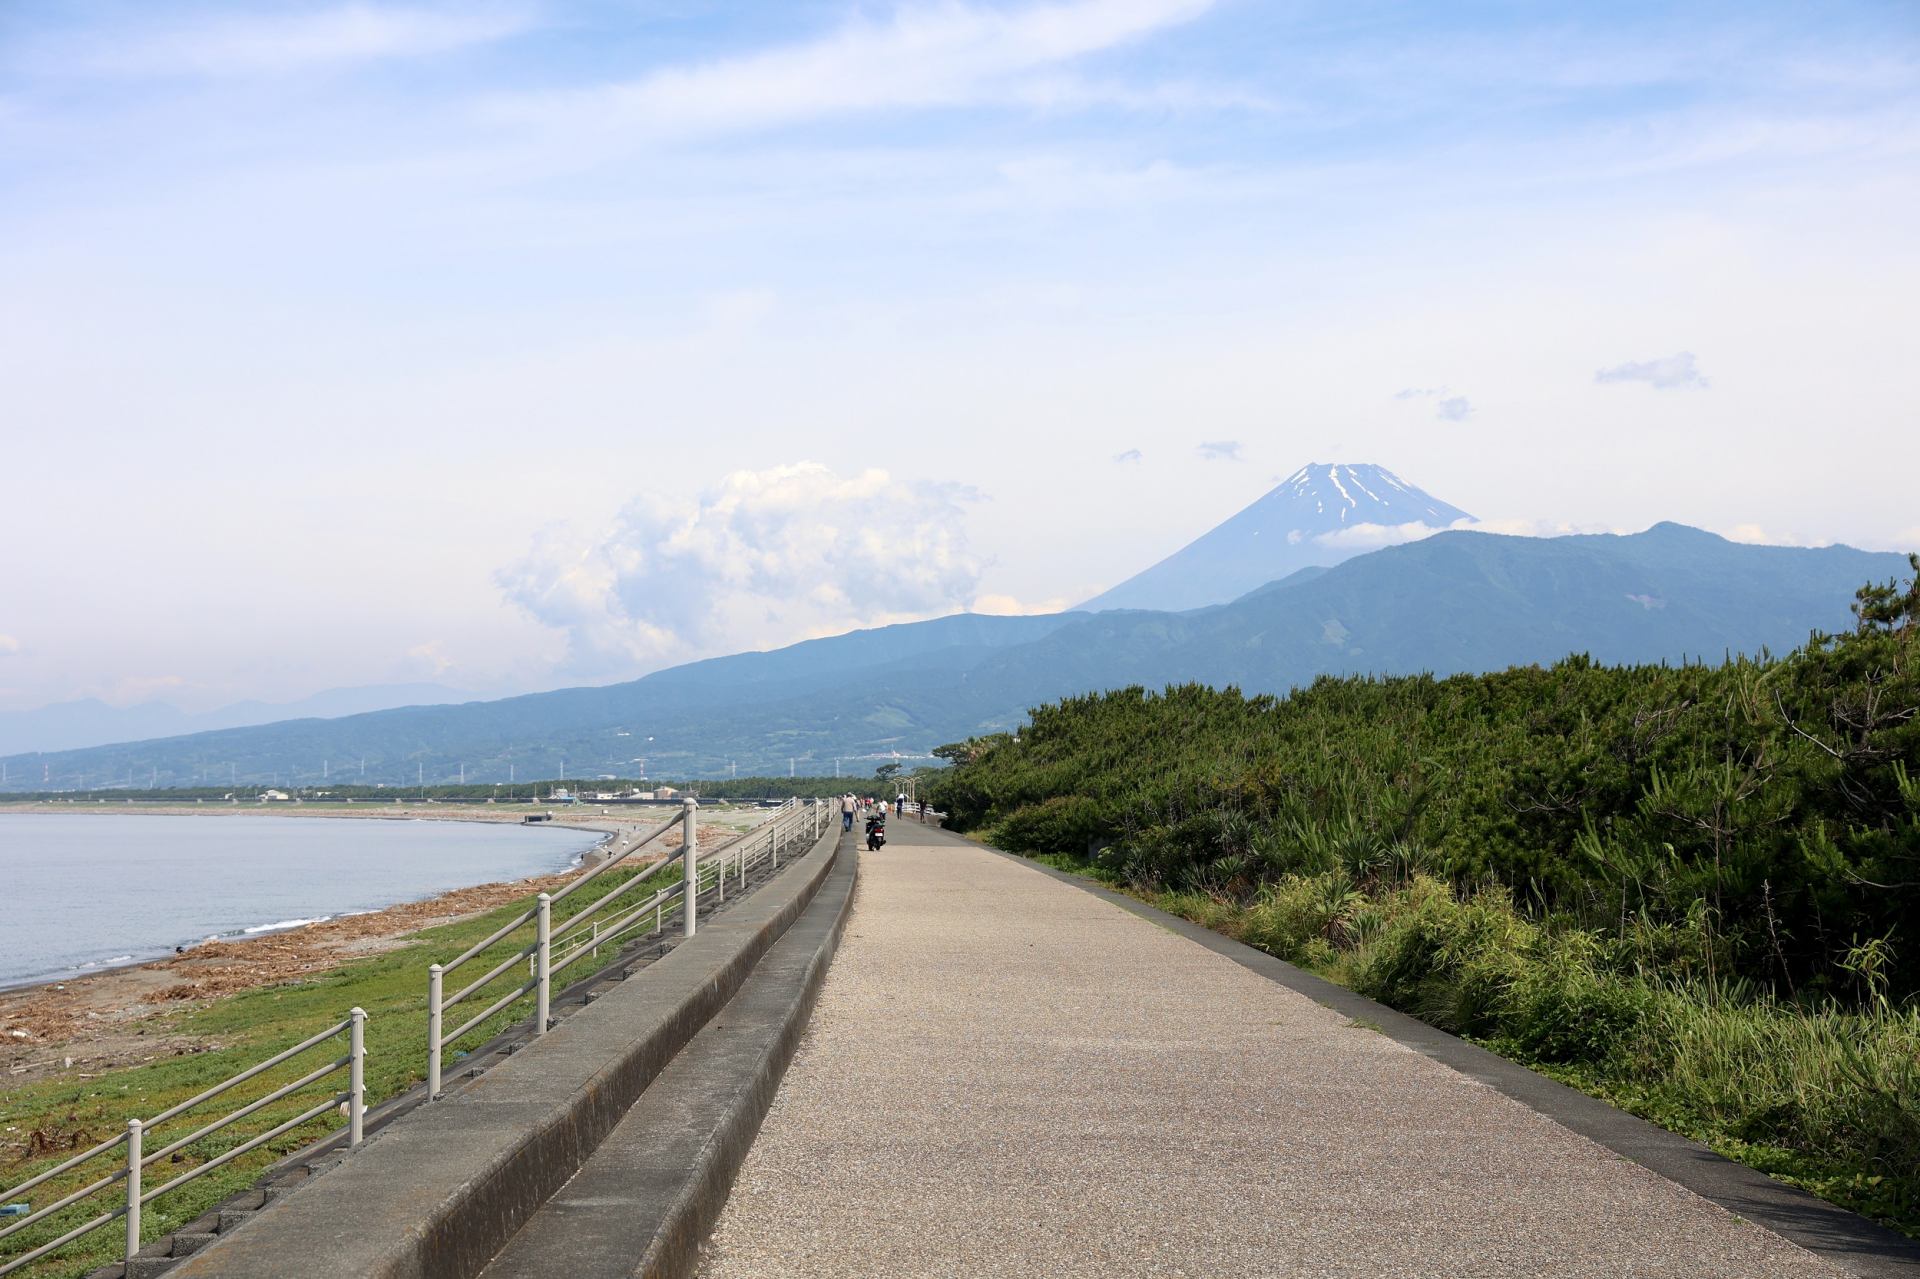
[[1317, 517]]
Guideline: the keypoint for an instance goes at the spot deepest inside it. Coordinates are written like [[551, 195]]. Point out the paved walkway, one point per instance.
[[1008, 1076]]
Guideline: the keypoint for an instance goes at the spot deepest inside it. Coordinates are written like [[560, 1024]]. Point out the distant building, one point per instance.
[[266, 795]]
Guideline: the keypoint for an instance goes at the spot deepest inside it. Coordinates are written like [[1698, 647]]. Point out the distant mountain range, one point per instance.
[[1455, 601], [1319, 516], [91, 722]]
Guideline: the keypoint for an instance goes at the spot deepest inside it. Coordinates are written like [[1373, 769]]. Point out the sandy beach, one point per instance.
[[116, 1017]]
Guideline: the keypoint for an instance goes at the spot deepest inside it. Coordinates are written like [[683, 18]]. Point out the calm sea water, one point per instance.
[[83, 891]]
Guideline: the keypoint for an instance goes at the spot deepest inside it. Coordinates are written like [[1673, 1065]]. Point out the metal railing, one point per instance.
[[600, 924], [797, 824], [137, 1159]]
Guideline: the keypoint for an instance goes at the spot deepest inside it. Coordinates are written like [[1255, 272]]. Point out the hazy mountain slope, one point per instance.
[[691, 712], [1313, 517], [1457, 601], [89, 721]]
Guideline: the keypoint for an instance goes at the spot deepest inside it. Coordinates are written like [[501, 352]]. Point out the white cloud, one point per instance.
[[268, 45], [1010, 606], [1220, 450], [928, 55], [1669, 373], [1371, 536], [764, 558], [1447, 406], [9, 646], [1758, 535], [429, 659], [1131, 455]]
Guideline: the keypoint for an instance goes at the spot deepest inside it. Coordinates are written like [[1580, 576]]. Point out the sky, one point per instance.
[[515, 344]]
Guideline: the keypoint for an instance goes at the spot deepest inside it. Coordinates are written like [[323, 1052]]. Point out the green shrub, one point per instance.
[[1061, 824]]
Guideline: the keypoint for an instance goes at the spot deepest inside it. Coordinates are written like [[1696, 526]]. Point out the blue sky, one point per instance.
[[524, 343]]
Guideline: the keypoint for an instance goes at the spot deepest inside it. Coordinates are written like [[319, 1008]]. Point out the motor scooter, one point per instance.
[[876, 831]]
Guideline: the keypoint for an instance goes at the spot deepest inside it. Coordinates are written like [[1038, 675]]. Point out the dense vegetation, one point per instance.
[[1691, 888]]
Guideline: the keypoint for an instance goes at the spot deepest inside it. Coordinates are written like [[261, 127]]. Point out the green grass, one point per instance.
[[247, 1028]]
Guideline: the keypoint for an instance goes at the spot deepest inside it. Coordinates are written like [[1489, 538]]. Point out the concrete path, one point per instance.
[[1008, 1076]]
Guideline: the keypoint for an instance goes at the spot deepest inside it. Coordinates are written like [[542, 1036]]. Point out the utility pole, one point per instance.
[[463, 774]]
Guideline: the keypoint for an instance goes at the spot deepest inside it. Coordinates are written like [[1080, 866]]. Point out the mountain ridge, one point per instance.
[[1313, 518], [1456, 601]]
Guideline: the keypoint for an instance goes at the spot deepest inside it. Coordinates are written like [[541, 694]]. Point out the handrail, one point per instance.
[[354, 1062], [579, 883], [621, 903]]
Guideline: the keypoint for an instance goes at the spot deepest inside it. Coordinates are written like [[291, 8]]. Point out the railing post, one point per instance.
[[133, 1187], [689, 863], [434, 977], [357, 1080], [543, 964]]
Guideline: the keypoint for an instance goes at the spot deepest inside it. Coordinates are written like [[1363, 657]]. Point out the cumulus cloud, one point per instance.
[[1678, 372], [764, 557], [1131, 455], [1220, 450]]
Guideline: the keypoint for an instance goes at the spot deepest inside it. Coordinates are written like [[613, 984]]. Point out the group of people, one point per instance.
[[875, 809]]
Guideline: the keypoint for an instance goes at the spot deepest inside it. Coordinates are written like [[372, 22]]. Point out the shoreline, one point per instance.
[[606, 829], [101, 1019]]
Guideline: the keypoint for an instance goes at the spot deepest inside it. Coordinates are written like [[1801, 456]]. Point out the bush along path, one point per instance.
[[1691, 890]]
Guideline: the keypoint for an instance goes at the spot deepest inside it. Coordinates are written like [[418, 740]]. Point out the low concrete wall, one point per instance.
[[652, 1191], [440, 1192]]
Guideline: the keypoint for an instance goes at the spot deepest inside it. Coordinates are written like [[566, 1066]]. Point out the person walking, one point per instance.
[[846, 811]]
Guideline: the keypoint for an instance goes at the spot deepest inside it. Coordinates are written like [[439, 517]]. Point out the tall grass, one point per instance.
[[1822, 1095]]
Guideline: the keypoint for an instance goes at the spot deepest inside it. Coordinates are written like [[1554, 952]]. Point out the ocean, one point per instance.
[[82, 891]]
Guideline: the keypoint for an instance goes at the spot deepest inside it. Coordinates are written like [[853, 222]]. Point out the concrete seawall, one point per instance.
[[439, 1194]]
